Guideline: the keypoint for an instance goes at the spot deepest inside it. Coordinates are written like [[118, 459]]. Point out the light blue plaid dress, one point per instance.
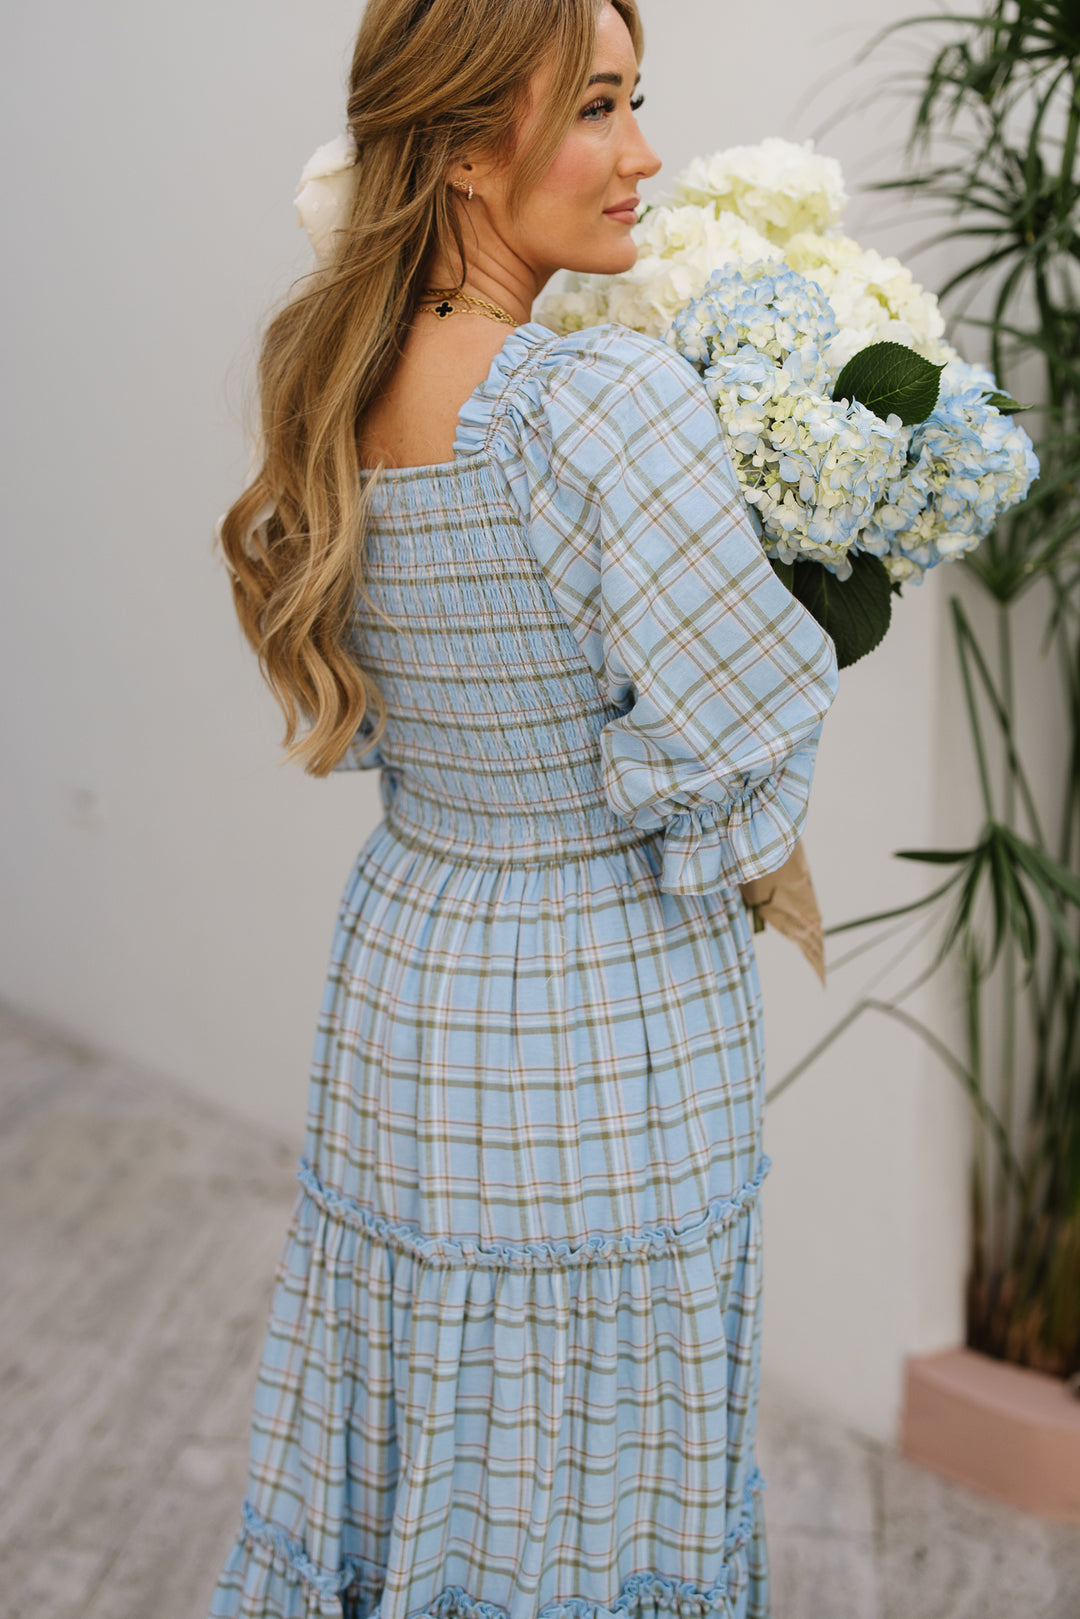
[[512, 1360]]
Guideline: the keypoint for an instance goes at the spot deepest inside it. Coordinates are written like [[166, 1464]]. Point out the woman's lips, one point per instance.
[[624, 212]]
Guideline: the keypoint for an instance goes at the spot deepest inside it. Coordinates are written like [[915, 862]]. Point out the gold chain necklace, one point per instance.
[[447, 301]]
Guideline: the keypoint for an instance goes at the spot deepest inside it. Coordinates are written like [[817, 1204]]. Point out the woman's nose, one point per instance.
[[641, 159]]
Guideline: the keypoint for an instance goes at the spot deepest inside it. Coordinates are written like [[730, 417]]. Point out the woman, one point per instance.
[[512, 1363]]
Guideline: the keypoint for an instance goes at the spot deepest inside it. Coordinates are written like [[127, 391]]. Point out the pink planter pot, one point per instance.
[[1003, 1430]]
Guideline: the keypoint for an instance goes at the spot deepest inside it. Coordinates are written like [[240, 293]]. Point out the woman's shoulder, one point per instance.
[[611, 343], [612, 354], [545, 381]]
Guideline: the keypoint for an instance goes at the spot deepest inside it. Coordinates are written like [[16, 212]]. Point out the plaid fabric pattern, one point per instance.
[[511, 1368]]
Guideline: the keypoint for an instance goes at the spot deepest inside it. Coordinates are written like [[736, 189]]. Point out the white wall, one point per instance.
[[168, 892]]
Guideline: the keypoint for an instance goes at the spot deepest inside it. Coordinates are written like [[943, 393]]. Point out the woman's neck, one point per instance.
[[489, 274]]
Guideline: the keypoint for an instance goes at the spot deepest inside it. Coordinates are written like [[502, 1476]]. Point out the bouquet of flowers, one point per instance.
[[868, 448]]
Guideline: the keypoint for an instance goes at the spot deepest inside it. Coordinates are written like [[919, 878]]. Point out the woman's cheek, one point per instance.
[[577, 171]]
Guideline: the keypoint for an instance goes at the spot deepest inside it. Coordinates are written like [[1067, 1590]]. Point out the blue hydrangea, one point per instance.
[[812, 467], [775, 311], [966, 464], [828, 477]]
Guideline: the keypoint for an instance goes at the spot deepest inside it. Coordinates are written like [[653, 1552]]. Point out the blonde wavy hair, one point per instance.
[[431, 81]]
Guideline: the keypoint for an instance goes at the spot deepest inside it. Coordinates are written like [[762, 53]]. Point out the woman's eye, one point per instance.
[[604, 106]]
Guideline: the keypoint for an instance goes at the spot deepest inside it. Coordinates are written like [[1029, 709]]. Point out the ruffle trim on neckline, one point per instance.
[[516, 355], [527, 350], [448, 1253], [301, 1589]]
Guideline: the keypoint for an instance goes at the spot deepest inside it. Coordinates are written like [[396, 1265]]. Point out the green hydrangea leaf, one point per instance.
[[855, 612], [891, 380], [1005, 402]]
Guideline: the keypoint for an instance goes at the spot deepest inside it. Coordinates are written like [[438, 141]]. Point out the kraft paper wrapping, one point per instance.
[[785, 900]]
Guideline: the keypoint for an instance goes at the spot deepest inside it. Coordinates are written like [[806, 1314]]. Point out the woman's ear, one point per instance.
[[466, 172]]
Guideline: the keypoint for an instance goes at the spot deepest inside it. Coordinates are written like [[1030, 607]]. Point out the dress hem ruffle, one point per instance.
[[446, 1252], [648, 1590]]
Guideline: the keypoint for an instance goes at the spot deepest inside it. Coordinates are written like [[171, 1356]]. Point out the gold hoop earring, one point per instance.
[[460, 185]]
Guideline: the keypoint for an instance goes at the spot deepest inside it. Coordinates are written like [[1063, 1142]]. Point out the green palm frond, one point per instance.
[[992, 149]]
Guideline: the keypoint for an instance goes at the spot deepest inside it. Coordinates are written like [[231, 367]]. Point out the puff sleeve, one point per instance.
[[617, 461]]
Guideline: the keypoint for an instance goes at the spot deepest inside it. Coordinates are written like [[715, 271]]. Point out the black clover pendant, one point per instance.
[[444, 309]]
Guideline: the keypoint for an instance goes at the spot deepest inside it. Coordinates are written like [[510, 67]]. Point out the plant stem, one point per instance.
[[1008, 960], [972, 708]]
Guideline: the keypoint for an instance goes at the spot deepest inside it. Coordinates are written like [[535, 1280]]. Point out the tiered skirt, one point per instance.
[[511, 1369]]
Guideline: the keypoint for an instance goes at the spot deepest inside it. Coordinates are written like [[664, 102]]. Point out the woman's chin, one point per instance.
[[612, 259]]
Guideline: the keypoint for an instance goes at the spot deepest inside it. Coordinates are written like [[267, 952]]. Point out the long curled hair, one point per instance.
[[431, 81]]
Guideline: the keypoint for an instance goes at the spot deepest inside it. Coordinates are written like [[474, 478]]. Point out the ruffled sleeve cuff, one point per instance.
[[722, 845]]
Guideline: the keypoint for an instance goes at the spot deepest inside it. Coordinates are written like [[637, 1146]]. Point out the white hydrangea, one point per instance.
[[583, 301], [779, 187], [875, 299], [677, 232]]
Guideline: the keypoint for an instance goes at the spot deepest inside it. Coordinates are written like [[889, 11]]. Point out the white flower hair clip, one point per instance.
[[324, 199]]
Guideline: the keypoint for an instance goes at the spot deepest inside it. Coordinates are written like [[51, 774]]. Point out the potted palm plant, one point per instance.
[[994, 144]]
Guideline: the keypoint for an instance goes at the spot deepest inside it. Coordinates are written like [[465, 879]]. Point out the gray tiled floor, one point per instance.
[[142, 1229]]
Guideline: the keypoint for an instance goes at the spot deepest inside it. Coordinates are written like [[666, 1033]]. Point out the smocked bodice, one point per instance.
[[491, 751], [579, 640]]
